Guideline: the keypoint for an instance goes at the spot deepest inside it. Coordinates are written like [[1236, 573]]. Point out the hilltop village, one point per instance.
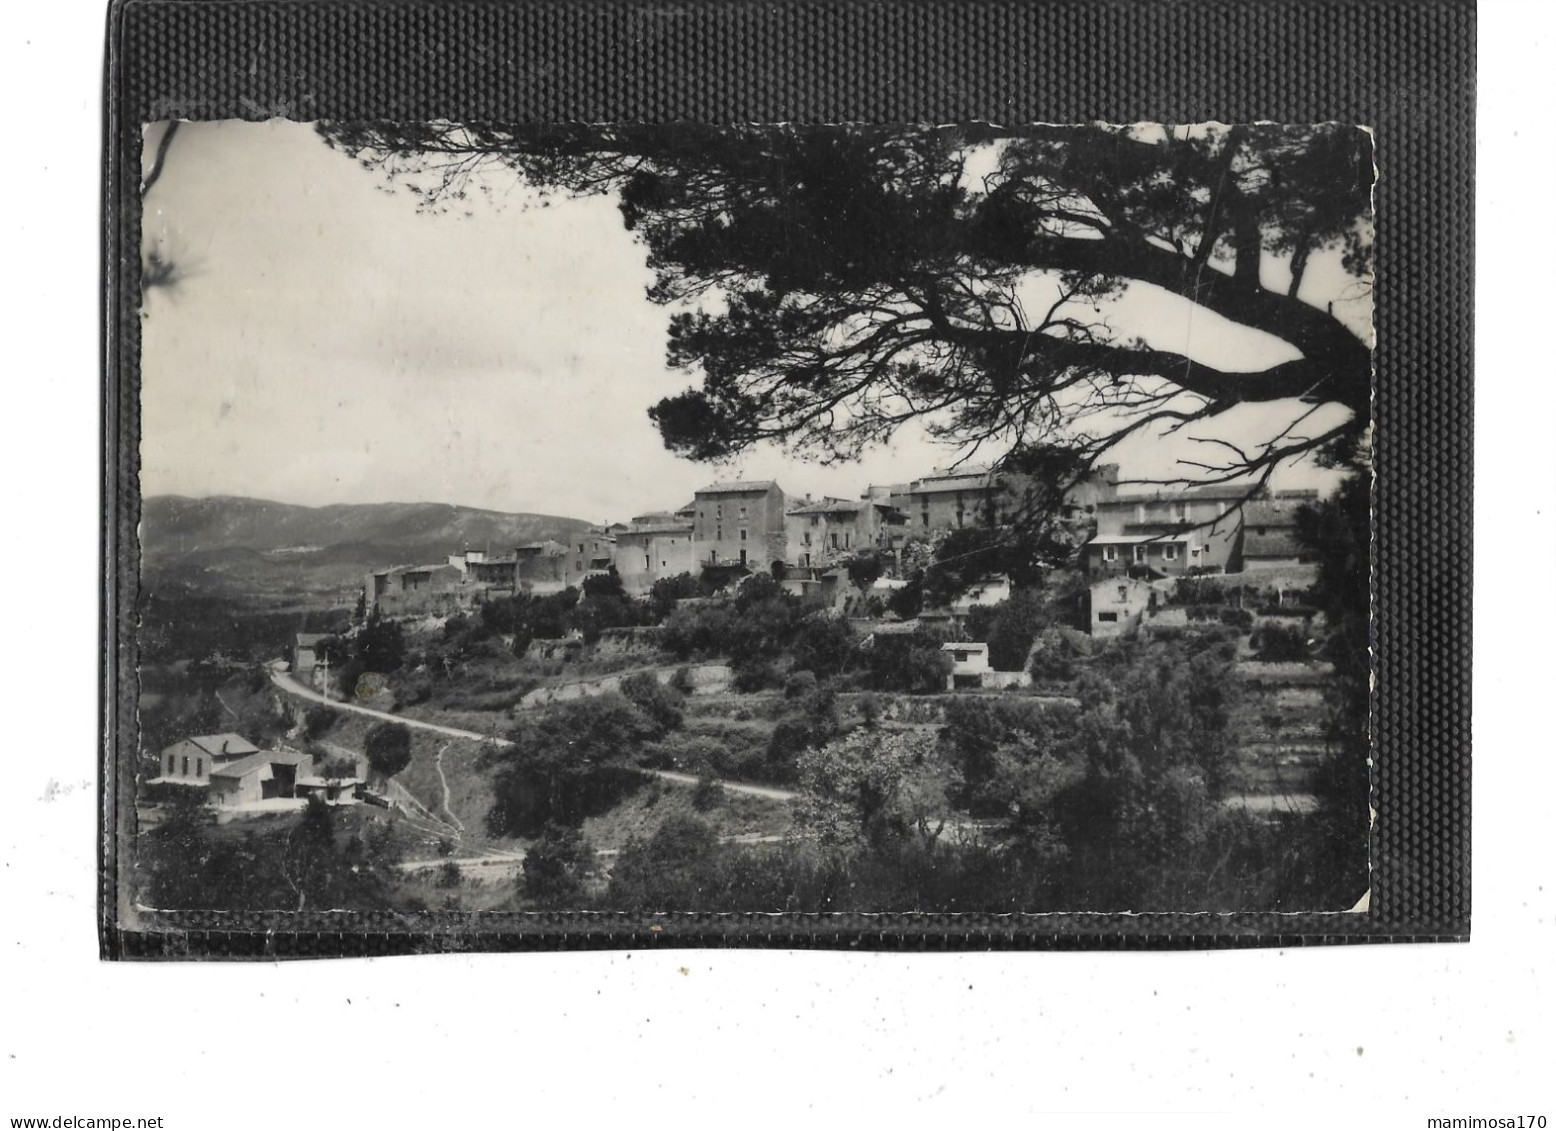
[[914, 686], [731, 530]]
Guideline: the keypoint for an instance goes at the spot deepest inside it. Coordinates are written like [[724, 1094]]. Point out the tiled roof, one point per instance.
[[254, 761], [831, 506], [661, 528], [224, 745], [1127, 539], [1276, 542], [1272, 512], [738, 487]]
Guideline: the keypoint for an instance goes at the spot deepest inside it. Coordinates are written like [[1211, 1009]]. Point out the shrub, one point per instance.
[[707, 794], [661, 704], [556, 866], [318, 721], [682, 679], [823, 645], [1279, 643], [448, 874], [748, 676], [799, 684]]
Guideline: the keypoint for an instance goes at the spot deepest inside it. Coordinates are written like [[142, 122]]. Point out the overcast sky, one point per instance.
[[327, 342]]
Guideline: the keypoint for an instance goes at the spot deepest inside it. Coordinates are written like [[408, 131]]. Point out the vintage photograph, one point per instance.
[[638, 518]]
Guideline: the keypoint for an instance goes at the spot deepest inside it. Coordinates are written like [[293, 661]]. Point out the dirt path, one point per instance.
[[289, 685], [437, 764]]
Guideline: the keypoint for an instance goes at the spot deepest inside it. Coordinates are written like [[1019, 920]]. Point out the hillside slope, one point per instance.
[[264, 546]]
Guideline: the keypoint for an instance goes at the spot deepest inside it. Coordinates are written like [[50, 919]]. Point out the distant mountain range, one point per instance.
[[270, 548]]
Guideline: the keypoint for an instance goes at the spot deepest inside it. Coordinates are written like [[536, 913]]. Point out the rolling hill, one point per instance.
[[268, 548]]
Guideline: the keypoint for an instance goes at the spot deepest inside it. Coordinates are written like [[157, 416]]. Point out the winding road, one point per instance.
[[286, 683]]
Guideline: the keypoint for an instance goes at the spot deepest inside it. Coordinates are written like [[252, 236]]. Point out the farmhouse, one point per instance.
[[260, 776], [191, 761]]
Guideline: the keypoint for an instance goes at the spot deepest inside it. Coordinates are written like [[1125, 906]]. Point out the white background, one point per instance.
[[1376, 1036]]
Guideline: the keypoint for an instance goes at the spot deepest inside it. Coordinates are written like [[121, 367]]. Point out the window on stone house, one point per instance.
[[1123, 594], [742, 533], [1170, 552], [742, 512], [1110, 553], [1140, 553], [199, 767], [1110, 618], [186, 767]]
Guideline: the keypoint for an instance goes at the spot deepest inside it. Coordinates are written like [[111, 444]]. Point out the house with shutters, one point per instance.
[[1199, 529]]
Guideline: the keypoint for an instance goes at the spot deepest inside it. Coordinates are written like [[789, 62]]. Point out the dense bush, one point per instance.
[[660, 704], [799, 684], [1280, 643], [665, 592], [566, 763], [824, 645], [912, 664], [388, 749], [556, 867]]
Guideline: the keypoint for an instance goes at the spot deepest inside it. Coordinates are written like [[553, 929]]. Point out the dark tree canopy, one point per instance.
[[388, 748], [830, 285]]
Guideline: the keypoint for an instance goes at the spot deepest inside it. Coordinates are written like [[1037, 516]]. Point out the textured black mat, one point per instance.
[[1405, 69]]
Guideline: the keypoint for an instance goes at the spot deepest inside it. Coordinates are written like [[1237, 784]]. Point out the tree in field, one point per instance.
[[388, 749], [870, 786], [830, 285], [567, 763], [556, 867]]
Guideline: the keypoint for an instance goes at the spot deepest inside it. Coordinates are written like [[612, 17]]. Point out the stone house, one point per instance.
[[420, 590], [953, 499], [650, 550], [740, 524], [821, 533], [1270, 531], [306, 668]]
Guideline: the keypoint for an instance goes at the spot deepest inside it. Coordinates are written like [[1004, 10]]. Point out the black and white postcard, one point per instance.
[[650, 519]]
